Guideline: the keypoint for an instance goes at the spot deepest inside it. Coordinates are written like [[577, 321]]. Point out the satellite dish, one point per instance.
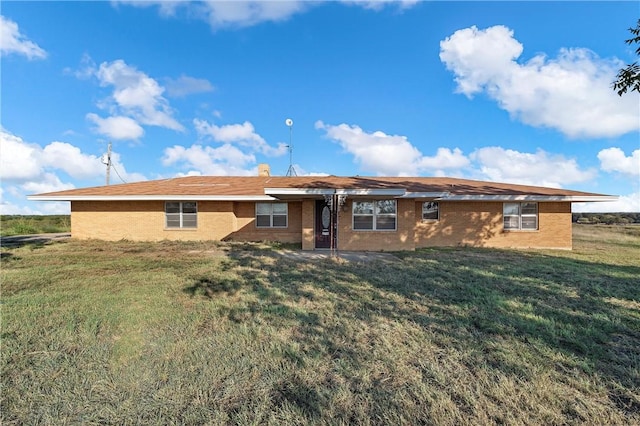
[[288, 122]]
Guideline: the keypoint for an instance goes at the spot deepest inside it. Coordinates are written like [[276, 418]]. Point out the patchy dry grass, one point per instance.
[[130, 333]]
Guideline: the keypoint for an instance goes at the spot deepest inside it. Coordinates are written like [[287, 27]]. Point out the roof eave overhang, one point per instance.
[[321, 192], [297, 193], [524, 197], [167, 197], [387, 192], [432, 195], [273, 194]]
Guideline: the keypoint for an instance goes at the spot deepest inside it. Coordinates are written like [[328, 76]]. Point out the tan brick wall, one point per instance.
[[461, 223], [308, 224], [400, 239], [145, 221], [246, 230], [480, 224], [117, 220]]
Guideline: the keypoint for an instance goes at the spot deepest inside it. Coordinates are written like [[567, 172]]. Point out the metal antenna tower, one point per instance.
[[290, 171]]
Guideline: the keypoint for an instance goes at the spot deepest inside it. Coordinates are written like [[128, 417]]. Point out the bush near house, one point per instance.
[[100, 332]]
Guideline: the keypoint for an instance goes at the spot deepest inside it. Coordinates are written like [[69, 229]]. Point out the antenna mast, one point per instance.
[[290, 171], [106, 159]]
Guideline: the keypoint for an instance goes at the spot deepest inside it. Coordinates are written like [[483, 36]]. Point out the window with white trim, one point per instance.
[[377, 215], [271, 215], [181, 214], [520, 216], [430, 211]]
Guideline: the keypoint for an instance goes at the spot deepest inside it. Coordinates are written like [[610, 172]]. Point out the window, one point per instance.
[[430, 210], [271, 215], [181, 214], [374, 215], [520, 216]]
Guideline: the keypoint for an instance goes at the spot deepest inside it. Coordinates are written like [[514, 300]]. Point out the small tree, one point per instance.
[[629, 77]]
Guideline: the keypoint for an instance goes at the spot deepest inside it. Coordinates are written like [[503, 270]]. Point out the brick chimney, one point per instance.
[[264, 169]]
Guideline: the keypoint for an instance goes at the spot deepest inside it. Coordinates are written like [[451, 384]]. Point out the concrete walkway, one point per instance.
[[349, 256]]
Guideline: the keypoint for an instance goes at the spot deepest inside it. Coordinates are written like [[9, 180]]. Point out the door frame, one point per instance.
[[323, 236]]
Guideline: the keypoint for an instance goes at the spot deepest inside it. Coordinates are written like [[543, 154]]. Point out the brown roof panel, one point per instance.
[[255, 186]]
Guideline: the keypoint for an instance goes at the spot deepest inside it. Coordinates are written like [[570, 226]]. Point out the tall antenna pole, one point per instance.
[[290, 171], [107, 161]]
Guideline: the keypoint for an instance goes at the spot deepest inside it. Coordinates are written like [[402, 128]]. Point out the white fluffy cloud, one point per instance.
[[228, 14], [69, 158], [28, 168], [226, 160], [625, 203], [615, 160], [19, 160], [390, 155], [247, 13], [119, 172], [47, 182], [23, 162], [116, 127], [240, 14], [185, 85], [570, 93], [12, 41], [137, 95], [8, 207], [445, 158], [387, 155], [241, 134], [380, 4], [540, 168]]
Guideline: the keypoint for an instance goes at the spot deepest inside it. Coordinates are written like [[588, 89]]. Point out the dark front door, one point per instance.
[[323, 225]]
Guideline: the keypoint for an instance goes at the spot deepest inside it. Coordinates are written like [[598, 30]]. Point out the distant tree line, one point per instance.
[[606, 218]]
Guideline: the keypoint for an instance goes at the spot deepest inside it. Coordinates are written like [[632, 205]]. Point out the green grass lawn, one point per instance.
[[206, 333]]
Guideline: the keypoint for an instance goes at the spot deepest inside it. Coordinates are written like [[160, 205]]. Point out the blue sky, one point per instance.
[[504, 91]]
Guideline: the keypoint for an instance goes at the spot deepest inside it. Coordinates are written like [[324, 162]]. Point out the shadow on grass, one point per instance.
[[209, 287], [35, 241], [296, 392], [511, 310]]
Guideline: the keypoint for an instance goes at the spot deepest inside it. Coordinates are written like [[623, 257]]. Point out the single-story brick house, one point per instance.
[[331, 212]]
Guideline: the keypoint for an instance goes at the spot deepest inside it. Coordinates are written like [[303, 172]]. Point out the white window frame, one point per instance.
[[520, 216], [425, 206], [267, 211], [181, 215], [376, 215]]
